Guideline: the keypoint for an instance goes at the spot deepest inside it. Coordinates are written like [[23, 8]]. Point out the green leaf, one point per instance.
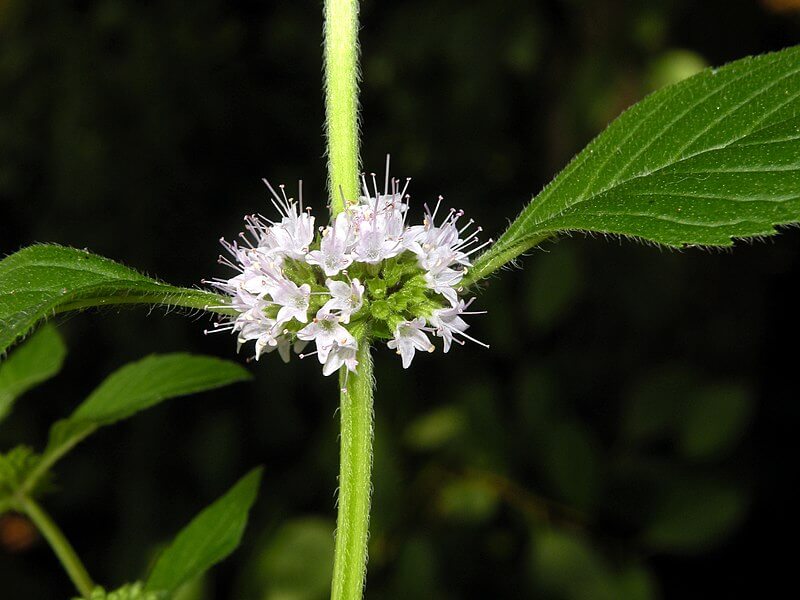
[[436, 428], [133, 388], [566, 565], [40, 281], [468, 499], [694, 516], [295, 564], [554, 284], [716, 418], [210, 537], [712, 158], [39, 359]]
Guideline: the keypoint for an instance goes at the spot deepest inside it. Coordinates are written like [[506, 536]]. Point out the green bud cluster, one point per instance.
[[394, 291], [15, 467], [133, 591]]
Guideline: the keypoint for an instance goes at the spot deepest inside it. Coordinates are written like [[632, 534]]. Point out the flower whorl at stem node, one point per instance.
[[366, 271]]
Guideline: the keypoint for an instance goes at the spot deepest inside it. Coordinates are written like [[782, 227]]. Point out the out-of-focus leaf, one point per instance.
[[468, 499], [38, 281], [694, 516], [715, 419], [296, 563], [566, 565], [436, 428], [554, 283], [196, 589], [712, 158], [210, 537], [570, 462], [636, 583], [416, 574], [39, 359], [654, 406], [674, 66], [133, 388]]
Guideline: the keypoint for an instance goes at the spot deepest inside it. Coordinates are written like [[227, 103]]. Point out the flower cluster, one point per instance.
[[367, 274]]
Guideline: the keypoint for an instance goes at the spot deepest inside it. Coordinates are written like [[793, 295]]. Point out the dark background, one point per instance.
[[631, 434]]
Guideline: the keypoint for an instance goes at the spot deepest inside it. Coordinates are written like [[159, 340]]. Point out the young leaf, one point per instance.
[[712, 158], [39, 359], [133, 388], [40, 281], [210, 537]]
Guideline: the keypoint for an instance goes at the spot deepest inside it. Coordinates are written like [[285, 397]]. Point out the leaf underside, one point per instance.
[[40, 281], [705, 161]]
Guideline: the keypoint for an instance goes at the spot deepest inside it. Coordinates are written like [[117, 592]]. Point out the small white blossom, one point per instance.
[[347, 298], [447, 323], [408, 338], [327, 333], [293, 300], [333, 255], [340, 356]]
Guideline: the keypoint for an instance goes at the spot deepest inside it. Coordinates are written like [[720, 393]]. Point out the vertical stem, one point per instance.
[[341, 100], [60, 545], [355, 485]]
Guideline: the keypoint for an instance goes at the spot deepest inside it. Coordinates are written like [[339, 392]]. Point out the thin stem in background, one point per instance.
[[355, 480], [60, 545], [341, 100]]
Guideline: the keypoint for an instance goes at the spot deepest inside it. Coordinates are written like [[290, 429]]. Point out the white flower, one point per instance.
[[408, 338], [293, 300], [345, 298], [444, 282], [326, 331], [447, 322], [340, 356], [333, 255], [295, 232]]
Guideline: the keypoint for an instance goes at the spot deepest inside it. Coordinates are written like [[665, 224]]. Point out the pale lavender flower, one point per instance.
[[409, 336]]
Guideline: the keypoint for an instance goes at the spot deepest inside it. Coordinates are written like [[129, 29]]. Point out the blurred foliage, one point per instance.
[[629, 435]]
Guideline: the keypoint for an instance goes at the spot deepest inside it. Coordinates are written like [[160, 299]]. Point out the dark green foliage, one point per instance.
[[35, 362], [699, 163], [40, 281], [211, 536]]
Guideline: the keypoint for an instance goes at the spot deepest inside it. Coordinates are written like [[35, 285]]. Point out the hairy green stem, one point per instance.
[[341, 100], [355, 484], [60, 545]]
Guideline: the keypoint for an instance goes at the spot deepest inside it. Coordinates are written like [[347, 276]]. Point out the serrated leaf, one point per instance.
[[39, 359], [133, 388], [40, 281], [712, 158], [209, 538]]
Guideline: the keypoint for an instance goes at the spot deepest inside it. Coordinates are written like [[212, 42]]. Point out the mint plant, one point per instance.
[[25, 475], [699, 164]]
